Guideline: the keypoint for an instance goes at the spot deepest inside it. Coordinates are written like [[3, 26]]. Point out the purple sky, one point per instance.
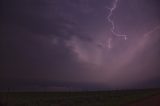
[[74, 42]]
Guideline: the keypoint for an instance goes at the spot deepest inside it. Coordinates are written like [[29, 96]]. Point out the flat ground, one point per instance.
[[96, 98], [149, 101]]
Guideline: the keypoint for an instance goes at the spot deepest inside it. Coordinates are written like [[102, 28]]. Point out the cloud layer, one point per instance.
[[67, 41]]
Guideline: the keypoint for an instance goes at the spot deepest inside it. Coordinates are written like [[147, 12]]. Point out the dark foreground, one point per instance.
[[97, 98]]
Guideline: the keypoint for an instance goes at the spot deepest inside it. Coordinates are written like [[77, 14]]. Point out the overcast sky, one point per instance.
[[70, 43]]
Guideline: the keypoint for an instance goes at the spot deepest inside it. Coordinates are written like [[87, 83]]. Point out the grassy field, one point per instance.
[[96, 98]]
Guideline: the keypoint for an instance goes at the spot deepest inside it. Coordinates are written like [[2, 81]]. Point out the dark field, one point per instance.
[[96, 98]]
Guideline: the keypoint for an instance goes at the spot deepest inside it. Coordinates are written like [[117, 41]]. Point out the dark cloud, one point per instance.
[[66, 41], [59, 18]]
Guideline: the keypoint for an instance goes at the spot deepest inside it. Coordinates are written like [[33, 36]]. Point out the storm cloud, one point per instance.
[[67, 41]]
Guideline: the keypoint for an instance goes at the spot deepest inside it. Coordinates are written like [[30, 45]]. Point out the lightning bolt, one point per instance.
[[110, 20], [109, 43]]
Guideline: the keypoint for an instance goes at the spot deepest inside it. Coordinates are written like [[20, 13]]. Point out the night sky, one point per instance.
[[80, 44]]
